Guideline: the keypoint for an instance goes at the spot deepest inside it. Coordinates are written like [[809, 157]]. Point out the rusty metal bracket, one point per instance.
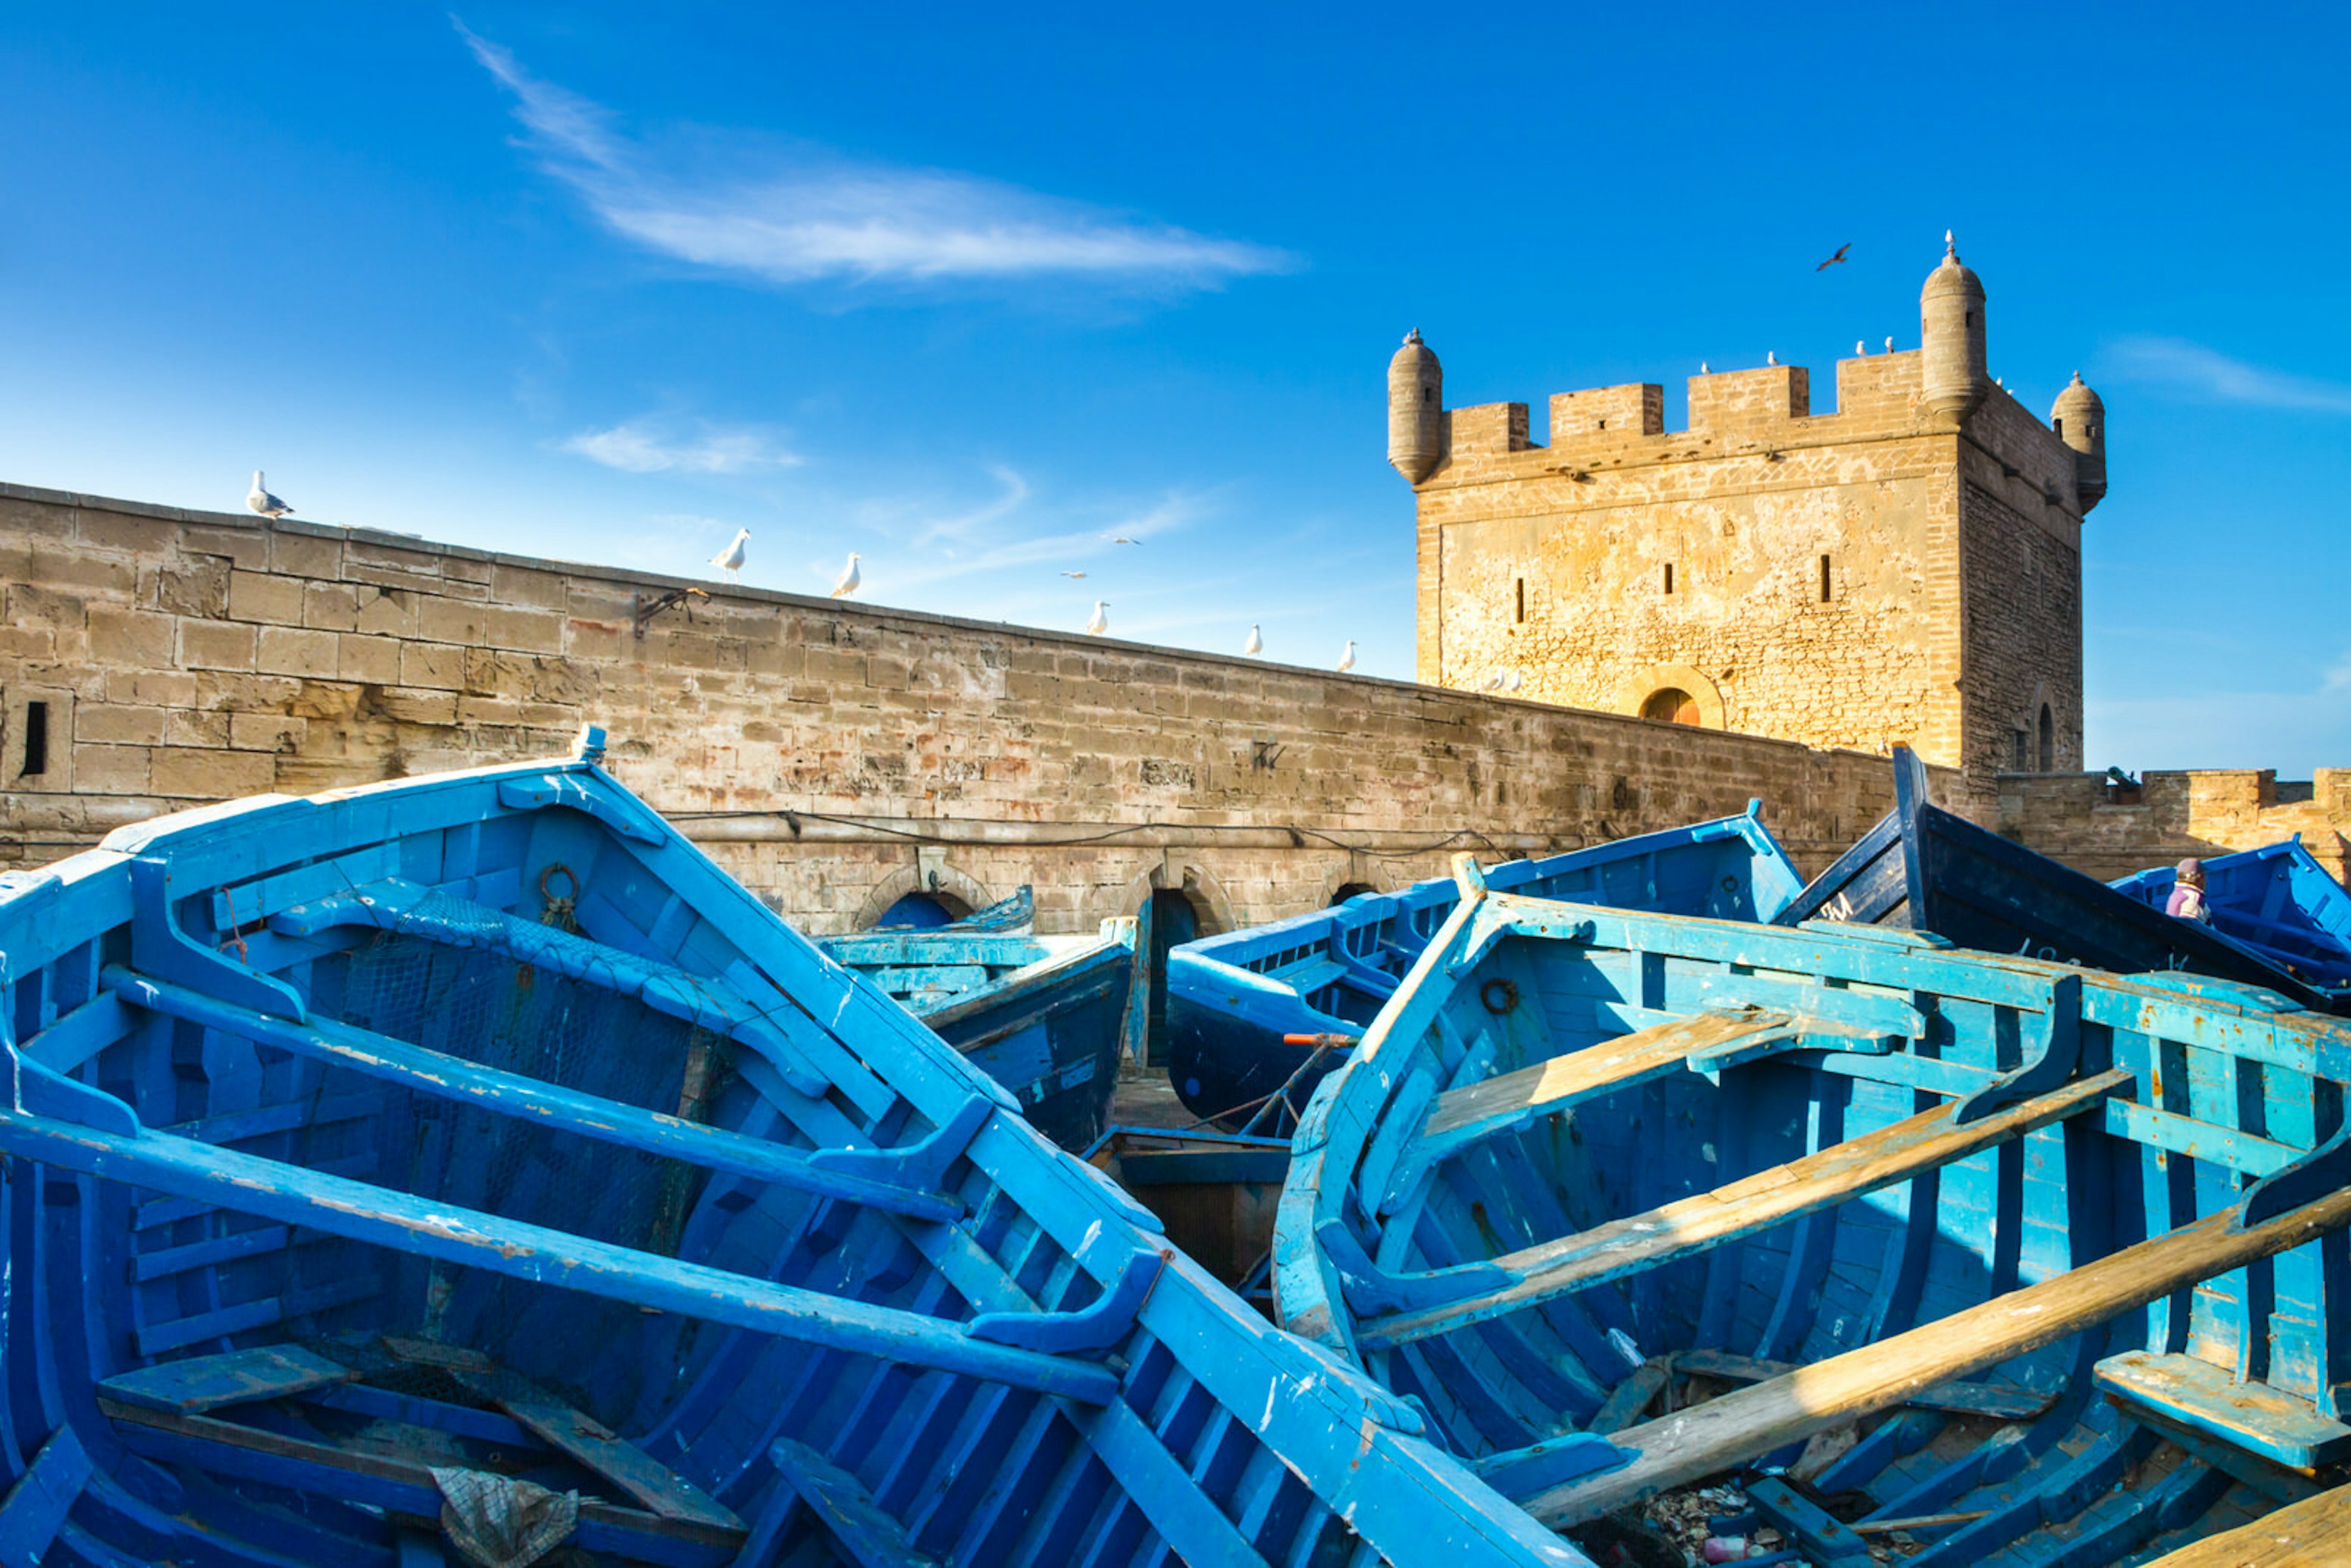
[[649, 608]]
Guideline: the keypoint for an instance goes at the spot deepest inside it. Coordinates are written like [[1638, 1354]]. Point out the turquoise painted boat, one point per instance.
[[462, 1168], [2049, 1262], [1256, 1018]]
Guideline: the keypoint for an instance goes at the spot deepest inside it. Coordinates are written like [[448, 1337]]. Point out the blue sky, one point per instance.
[[967, 289]]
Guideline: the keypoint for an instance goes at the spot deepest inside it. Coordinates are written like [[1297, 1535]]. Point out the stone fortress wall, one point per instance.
[[1905, 567], [833, 755]]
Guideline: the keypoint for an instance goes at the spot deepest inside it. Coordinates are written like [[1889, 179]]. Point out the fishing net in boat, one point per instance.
[[448, 994]]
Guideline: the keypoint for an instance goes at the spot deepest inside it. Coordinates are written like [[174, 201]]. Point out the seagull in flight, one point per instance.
[[1834, 259], [1100, 622], [1347, 659], [849, 578], [1121, 539], [730, 559], [1076, 574], [1254, 646], [262, 501]]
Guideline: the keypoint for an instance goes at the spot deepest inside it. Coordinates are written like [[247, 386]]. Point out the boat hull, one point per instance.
[[1629, 1202], [388, 1164], [1245, 1009]]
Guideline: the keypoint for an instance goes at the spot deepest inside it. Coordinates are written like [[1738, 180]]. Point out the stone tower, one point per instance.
[[1907, 568]]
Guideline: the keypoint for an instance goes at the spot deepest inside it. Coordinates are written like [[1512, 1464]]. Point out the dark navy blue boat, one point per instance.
[[1925, 869], [2277, 899], [1256, 1018], [1996, 1261], [1046, 1016], [454, 1169]]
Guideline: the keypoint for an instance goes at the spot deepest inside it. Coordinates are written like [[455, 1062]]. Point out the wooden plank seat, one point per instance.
[[1896, 1153], [869, 1536], [2251, 1414], [183, 1412], [1748, 1423], [2310, 1533]]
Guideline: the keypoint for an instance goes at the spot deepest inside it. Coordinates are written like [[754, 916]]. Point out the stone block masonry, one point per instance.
[[837, 756], [833, 755]]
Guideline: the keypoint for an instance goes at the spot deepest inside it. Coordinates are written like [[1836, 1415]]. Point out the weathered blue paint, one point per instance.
[[1775, 1216], [495, 1075], [1047, 1018], [1923, 868], [2278, 901], [1233, 997]]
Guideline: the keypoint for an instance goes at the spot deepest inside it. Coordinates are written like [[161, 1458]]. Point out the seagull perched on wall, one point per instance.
[[262, 501], [1834, 259], [1771, 358], [1494, 681], [730, 559], [1100, 622], [1517, 680], [849, 580], [1347, 659], [1254, 646], [1860, 350]]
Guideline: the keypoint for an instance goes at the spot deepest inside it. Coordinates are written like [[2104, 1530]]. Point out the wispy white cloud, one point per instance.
[[2208, 373], [656, 447], [2338, 679], [801, 217]]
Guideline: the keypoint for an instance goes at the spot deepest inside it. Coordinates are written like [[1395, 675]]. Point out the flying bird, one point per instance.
[[1121, 539], [730, 559], [1834, 259], [1100, 622], [1076, 574], [849, 578], [1347, 659], [262, 501], [1255, 644]]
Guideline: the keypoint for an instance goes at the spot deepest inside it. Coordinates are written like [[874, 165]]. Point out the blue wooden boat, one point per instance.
[[2277, 901], [1256, 1018], [2051, 1258], [1046, 1016], [467, 1159], [1926, 869]]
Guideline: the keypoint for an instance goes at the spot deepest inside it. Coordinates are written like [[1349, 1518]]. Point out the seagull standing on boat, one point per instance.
[[1254, 646], [849, 578], [730, 559], [1347, 659], [1099, 622], [262, 501]]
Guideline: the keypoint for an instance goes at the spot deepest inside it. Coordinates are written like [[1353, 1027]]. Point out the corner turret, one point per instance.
[[1951, 341], [2079, 418], [1415, 409]]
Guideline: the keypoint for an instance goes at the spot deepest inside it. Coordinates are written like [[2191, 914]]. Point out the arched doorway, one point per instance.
[[2048, 740], [922, 912], [1671, 704], [1170, 921], [1347, 890]]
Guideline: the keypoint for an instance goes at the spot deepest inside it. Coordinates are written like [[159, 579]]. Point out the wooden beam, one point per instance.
[[1748, 1423], [2307, 1535], [1896, 1153]]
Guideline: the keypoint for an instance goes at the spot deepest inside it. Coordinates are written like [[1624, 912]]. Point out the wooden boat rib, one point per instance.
[[2061, 1255], [1049, 1018], [469, 1154], [1243, 1006], [1925, 869]]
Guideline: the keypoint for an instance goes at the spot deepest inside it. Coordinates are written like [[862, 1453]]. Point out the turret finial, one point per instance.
[[1412, 336]]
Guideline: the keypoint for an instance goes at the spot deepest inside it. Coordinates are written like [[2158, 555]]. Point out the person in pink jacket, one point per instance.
[[2187, 900]]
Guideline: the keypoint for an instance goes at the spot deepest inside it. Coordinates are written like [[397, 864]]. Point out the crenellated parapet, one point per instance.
[[1904, 565]]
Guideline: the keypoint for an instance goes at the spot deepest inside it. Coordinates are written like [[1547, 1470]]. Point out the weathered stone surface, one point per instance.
[[1096, 771]]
